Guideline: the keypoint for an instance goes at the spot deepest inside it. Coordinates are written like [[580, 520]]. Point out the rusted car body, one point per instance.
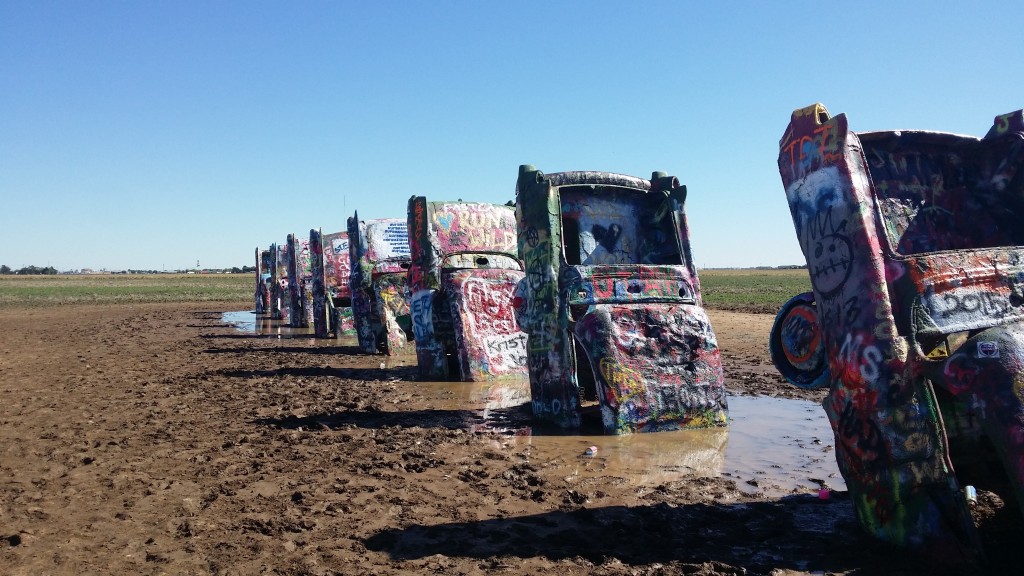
[[463, 272], [915, 249], [280, 297], [262, 294], [612, 305], [379, 260], [300, 276], [336, 269]]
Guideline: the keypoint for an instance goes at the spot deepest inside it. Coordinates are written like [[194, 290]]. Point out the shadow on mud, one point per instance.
[[373, 419], [369, 374], [800, 532], [321, 350]]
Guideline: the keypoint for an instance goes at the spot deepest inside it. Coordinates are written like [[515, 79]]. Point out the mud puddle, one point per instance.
[[264, 325], [772, 446]]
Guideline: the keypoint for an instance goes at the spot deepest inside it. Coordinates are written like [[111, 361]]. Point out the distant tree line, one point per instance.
[[5, 269]]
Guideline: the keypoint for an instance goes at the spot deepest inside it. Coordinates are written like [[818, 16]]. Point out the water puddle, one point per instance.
[[264, 325], [772, 446]]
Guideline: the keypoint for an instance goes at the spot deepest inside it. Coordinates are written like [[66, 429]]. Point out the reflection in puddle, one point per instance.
[[769, 437], [264, 325], [774, 446]]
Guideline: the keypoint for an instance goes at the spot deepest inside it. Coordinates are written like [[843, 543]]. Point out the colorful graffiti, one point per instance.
[[462, 276], [379, 260], [323, 313], [914, 250], [611, 304], [280, 296], [336, 265], [300, 276], [336, 270], [262, 295]]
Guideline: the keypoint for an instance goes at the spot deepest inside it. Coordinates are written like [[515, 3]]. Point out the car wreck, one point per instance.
[[379, 260], [300, 274], [337, 272], [915, 249], [262, 294], [280, 297], [463, 272], [611, 302]]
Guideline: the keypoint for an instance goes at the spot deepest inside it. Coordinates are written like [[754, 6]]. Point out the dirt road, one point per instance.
[[159, 440]]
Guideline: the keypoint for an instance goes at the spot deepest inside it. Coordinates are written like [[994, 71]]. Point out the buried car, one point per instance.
[[337, 273], [262, 294], [462, 275], [329, 283], [379, 260], [300, 275], [611, 303], [280, 297], [914, 245]]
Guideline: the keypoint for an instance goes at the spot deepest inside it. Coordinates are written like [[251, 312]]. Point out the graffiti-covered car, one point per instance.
[[262, 294], [915, 249], [612, 305], [329, 284], [331, 312], [300, 274], [280, 295], [463, 272], [336, 270], [379, 260]]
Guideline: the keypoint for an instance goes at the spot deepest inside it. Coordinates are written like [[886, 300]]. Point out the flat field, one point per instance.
[[123, 288], [747, 290], [760, 291]]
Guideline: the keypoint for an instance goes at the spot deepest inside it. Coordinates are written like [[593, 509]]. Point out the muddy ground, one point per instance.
[[159, 440]]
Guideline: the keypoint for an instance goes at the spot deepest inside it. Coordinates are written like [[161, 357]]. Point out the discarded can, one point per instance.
[[824, 494], [591, 451], [971, 494]]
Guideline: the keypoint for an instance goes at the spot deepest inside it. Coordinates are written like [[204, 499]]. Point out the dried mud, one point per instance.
[[159, 440]]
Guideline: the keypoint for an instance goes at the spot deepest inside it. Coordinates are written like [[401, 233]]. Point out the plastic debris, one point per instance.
[[824, 494], [971, 494]]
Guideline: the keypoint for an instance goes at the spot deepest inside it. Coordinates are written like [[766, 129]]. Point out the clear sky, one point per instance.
[[154, 134]]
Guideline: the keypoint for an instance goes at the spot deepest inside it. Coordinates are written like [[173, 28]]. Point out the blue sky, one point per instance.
[[155, 134]]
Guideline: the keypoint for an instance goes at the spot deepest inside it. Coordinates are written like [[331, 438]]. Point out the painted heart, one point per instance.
[[444, 220]]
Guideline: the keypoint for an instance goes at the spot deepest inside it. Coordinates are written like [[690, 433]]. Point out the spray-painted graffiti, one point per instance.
[[379, 257], [913, 243], [323, 314], [611, 303], [463, 273], [262, 295], [280, 296], [336, 270], [300, 274]]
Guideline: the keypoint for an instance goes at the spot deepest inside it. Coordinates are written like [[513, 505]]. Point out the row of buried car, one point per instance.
[[914, 244], [587, 286]]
